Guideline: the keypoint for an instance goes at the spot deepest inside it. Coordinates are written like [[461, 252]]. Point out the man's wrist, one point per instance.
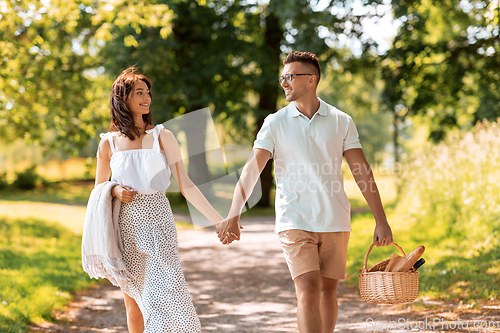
[[381, 221]]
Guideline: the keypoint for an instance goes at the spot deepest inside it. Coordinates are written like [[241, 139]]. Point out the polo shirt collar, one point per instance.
[[293, 110], [323, 109]]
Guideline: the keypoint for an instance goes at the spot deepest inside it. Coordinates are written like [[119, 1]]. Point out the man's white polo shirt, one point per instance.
[[308, 167]]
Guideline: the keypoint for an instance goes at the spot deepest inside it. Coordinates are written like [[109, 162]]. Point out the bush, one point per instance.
[[3, 181], [178, 202], [27, 179], [451, 188], [450, 202]]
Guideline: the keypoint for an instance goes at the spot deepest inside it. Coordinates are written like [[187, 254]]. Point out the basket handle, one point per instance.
[[370, 249]]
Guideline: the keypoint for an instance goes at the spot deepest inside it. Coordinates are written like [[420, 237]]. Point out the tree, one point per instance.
[[198, 64], [444, 64], [51, 92]]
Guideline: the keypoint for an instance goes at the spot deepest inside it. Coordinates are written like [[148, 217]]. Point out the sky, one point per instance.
[[381, 30]]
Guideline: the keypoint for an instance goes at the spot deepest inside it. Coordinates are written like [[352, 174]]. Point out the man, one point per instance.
[[307, 140]]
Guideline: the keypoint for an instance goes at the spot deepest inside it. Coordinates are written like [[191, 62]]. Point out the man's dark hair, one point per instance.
[[305, 58]]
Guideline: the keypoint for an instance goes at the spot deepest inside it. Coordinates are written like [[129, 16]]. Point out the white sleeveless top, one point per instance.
[[145, 170]]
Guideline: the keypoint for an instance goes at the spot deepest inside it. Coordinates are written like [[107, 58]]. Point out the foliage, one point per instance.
[[51, 92], [449, 185], [197, 65], [357, 93], [219, 53], [493, 13], [72, 169], [27, 179], [450, 204], [444, 63], [448, 192], [3, 181], [41, 266], [297, 26]]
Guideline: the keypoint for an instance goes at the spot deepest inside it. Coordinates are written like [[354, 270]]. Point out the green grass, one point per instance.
[[40, 266], [450, 273], [77, 194], [69, 216], [73, 193]]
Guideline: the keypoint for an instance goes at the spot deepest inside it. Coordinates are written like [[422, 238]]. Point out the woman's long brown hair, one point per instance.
[[122, 119]]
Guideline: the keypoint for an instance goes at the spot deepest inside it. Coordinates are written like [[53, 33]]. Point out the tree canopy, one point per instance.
[[444, 63], [49, 63], [57, 60]]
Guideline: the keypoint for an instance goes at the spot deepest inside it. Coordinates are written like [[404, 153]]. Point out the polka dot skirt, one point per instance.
[[150, 253]]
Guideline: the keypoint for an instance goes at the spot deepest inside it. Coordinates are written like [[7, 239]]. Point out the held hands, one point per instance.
[[123, 193], [229, 230]]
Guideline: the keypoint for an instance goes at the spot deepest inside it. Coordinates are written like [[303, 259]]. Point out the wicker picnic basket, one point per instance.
[[379, 287]]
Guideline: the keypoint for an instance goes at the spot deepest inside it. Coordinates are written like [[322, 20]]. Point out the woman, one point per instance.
[[140, 157]]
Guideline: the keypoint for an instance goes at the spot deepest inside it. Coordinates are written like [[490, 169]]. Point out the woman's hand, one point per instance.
[[229, 230], [123, 193]]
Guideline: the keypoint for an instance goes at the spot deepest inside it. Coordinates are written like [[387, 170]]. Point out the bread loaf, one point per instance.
[[411, 259], [403, 264]]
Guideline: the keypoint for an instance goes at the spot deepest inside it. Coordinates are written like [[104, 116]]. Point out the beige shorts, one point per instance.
[[307, 251]]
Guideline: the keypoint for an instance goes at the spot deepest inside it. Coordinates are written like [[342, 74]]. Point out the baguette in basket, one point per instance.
[[404, 264]]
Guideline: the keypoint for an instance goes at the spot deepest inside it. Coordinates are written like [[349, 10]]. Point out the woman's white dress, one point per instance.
[[149, 238]]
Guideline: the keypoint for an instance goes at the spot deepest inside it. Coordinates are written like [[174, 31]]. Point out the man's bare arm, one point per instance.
[[363, 175], [244, 188]]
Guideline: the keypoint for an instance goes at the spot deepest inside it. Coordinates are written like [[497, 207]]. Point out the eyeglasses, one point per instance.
[[289, 77]]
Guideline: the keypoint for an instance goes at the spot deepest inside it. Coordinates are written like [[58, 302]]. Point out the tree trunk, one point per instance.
[[195, 138], [268, 92]]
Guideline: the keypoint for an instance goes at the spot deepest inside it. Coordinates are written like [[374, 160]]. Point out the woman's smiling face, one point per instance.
[[139, 100]]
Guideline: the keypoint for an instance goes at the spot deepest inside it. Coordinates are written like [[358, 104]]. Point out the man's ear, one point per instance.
[[313, 79]]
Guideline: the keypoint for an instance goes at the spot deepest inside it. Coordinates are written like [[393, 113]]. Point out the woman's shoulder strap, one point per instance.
[[109, 136], [104, 135], [155, 129], [156, 133]]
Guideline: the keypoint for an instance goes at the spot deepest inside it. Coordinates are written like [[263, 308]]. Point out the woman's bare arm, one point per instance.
[[187, 187], [103, 172]]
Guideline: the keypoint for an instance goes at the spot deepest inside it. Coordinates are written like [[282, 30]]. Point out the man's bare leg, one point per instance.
[[308, 289], [328, 305]]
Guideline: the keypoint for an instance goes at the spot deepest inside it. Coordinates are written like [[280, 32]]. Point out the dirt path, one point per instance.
[[246, 288]]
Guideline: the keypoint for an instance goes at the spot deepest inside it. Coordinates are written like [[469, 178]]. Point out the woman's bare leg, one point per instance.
[[135, 321]]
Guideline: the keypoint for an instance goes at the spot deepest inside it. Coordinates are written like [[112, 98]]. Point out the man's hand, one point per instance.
[[382, 234], [123, 193], [229, 230]]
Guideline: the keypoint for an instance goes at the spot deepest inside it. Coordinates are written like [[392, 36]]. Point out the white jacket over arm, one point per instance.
[[101, 242]]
